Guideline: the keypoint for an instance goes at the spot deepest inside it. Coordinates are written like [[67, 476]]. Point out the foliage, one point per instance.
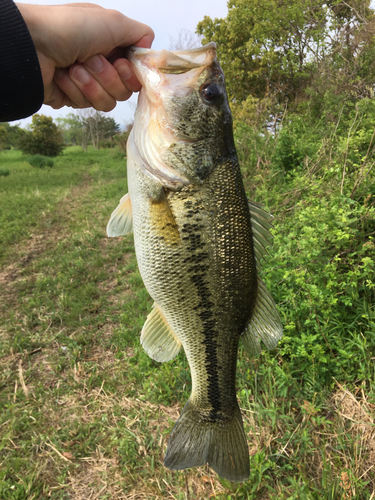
[[40, 161], [4, 172], [321, 187], [272, 49], [44, 138], [3, 137], [71, 127], [10, 135], [73, 302], [122, 140]]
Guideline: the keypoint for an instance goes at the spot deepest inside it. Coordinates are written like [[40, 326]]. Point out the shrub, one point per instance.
[[118, 155], [40, 161], [122, 141], [44, 138], [4, 172], [316, 175], [106, 144]]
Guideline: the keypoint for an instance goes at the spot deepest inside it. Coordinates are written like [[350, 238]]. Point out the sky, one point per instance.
[[166, 17]]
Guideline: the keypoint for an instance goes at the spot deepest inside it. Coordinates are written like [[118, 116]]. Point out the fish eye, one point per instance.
[[210, 92]]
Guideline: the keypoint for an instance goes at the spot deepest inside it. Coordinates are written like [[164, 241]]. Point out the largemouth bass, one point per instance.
[[198, 244]]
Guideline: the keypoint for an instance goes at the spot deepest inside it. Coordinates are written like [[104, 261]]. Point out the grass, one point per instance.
[[84, 413]]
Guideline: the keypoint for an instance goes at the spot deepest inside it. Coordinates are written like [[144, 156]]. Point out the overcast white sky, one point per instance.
[[166, 17]]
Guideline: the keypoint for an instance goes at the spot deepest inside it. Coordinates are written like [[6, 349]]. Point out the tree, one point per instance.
[[4, 136], [43, 138], [100, 127], [71, 127], [185, 40], [272, 48], [122, 139], [11, 136], [87, 125]]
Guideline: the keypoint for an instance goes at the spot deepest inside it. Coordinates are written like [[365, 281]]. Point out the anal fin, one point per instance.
[[157, 337]]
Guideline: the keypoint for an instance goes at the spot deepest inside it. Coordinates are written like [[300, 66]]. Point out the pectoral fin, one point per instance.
[[162, 219], [157, 337], [265, 324], [121, 221]]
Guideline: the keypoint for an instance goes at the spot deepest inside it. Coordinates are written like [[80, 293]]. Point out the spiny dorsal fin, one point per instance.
[[157, 337], [261, 235], [121, 221], [265, 324]]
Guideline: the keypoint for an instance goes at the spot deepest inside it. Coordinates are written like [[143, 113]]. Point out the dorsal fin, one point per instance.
[[260, 225], [265, 323], [157, 337], [121, 221]]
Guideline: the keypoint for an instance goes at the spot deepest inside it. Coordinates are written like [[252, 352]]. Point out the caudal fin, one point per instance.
[[194, 442]]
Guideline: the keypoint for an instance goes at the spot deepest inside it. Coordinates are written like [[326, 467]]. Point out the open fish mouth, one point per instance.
[[165, 76], [169, 62]]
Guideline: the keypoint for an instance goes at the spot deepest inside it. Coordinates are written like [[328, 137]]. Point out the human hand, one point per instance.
[[81, 50]]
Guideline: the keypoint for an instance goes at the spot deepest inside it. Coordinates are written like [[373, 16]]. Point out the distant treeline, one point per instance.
[[45, 137]]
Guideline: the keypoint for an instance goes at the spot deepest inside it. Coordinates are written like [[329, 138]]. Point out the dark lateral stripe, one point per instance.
[[198, 272]]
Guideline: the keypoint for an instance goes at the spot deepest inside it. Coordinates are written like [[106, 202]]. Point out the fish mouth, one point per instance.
[[171, 61], [164, 75]]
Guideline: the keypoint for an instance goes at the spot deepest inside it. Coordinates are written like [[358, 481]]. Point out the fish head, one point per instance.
[[183, 123]]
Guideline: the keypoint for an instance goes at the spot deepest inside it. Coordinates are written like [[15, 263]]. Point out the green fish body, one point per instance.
[[198, 243]]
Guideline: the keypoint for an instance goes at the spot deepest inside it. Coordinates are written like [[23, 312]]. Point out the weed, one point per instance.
[[4, 172], [40, 161]]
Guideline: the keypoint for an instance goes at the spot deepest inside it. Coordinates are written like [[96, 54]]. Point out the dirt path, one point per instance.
[[28, 250]]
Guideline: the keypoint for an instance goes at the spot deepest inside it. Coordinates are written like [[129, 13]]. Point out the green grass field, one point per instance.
[[86, 414]]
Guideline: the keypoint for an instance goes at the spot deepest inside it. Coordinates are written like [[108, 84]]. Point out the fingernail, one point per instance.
[[124, 71], [80, 74], [95, 64]]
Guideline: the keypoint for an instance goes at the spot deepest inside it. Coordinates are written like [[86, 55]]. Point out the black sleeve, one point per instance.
[[21, 84]]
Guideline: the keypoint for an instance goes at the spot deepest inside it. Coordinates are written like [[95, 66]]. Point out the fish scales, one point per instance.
[[211, 294], [195, 250]]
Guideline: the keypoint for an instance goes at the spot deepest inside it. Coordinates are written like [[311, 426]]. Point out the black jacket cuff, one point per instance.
[[21, 84]]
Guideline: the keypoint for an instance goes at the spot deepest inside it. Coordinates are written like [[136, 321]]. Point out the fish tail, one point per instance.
[[222, 444]]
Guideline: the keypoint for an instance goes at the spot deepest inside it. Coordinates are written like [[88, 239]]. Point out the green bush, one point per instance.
[[118, 155], [323, 276], [44, 138], [316, 175], [40, 161], [4, 172], [122, 140], [106, 144]]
